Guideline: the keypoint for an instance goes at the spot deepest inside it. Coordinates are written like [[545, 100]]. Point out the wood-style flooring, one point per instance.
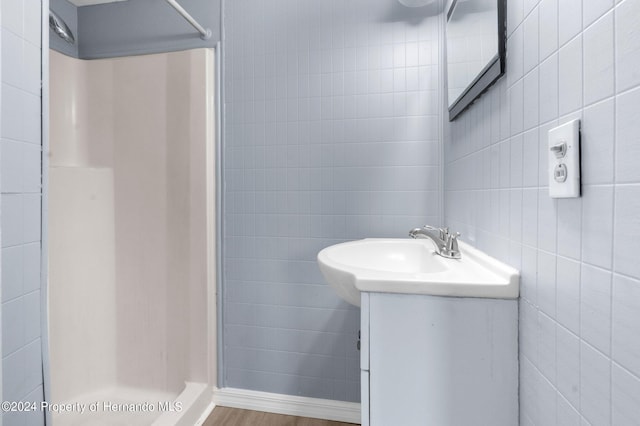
[[224, 416]]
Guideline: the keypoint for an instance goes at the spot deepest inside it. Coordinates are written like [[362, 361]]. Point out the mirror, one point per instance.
[[476, 52]]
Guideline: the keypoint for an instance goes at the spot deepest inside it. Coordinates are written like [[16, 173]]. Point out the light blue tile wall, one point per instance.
[[20, 185], [332, 133], [580, 305]]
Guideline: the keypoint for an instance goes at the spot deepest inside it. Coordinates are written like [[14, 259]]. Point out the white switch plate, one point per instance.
[[568, 165]]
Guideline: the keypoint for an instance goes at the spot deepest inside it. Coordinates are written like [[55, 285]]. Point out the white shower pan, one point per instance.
[[135, 407]]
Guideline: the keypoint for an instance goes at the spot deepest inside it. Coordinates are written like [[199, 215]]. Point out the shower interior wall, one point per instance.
[[128, 246]]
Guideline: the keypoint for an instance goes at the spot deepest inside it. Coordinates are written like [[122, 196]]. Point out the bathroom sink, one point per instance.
[[411, 266]]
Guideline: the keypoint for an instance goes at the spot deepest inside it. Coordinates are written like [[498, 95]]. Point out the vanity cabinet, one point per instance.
[[438, 361]]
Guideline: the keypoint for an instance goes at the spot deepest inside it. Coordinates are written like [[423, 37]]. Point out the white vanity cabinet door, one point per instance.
[[364, 331], [442, 361], [364, 398], [364, 359]]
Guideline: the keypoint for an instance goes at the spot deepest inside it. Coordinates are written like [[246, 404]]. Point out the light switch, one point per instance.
[[564, 160]]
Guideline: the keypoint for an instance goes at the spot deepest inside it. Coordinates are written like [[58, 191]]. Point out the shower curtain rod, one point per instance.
[[205, 33]]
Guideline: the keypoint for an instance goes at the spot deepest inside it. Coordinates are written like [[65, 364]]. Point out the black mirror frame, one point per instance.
[[490, 73]]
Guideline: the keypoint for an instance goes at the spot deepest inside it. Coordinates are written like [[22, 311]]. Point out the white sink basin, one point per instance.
[[389, 265]]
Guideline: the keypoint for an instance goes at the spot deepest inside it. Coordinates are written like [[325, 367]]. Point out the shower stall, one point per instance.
[[130, 229]]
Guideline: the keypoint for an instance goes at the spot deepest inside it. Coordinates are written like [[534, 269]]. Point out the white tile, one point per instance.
[[595, 389], [549, 89], [494, 117], [424, 52], [399, 55], [627, 228], [31, 262], [17, 418], [529, 331], [568, 353], [35, 418], [626, 323], [12, 59], [11, 272], [597, 225], [412, 54], [528, 392], [531, 40], [31, 218], [530, 158], [597, 141], [515, 57], [399, 80], [530, 217], [531, 99], [12, 110], [569, 227], [31, 80], [598, 60], [504, 215], [514, 15], [547, 403], [31, 168], [595, 308], [548, 15], [594, 9], [568, 294], [625, 395], [11, 173], [13, 372], [32, 21], [529, 274], [31, 306], [413, 78], [529, 5], [547, 221], [516, 104], [12, 218], [567, 414], [492, 157], [570, 77], [515, 216], [546, 285], [627, 45], [33, 362], [547, 347], [505, 125], [12, 336], [628, 137], [515, 162], [12, 16], [569, 19]]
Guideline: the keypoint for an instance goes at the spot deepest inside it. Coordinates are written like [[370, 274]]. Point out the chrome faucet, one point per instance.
[[446, 243]]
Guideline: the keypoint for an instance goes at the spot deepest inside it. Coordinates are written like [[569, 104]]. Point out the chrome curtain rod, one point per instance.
[[205, 34]]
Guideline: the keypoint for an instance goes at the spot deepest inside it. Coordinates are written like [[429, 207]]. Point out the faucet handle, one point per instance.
[[452, 245], [444, 233]]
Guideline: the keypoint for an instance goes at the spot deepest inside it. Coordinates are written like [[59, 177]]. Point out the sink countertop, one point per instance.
[[411, 266]]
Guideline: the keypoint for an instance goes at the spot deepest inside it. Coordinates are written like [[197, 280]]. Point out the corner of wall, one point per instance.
[[69, 13]]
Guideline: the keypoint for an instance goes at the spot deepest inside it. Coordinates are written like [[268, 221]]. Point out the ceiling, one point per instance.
[[90, 2]]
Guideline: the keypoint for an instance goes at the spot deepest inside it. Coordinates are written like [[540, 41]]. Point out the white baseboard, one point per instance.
[[348, 412]]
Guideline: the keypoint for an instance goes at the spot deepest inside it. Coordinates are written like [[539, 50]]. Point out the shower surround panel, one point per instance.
[[128, 256]]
